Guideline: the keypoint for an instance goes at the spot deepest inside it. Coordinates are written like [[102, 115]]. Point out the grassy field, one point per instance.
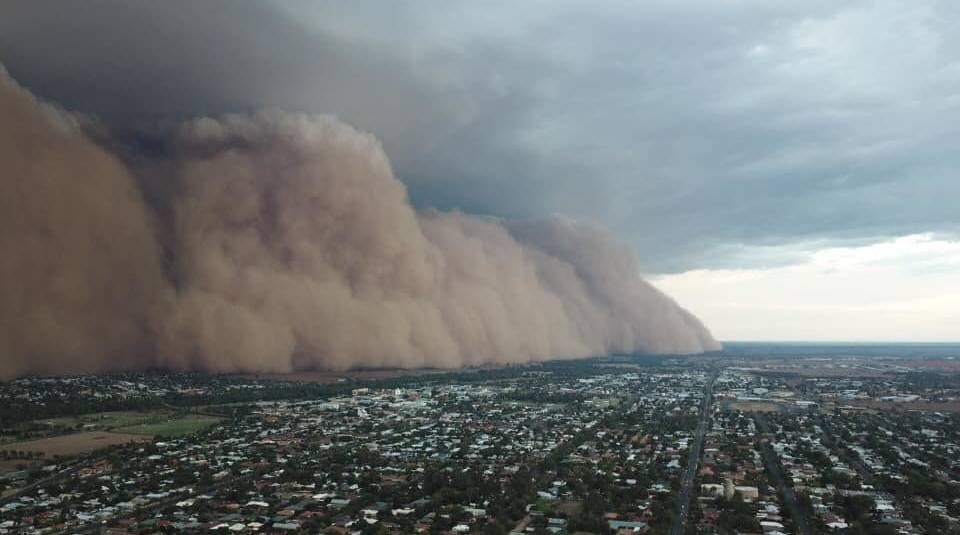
[[162, 423], [100, 421], [104, 420], [81, 434], [186, 425], [544, 505], [570, 507]]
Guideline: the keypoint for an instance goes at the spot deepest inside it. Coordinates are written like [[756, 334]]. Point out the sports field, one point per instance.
[[185, 425]]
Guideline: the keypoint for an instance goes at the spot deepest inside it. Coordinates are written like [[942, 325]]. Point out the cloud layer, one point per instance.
[[725, 125], [291, 246]]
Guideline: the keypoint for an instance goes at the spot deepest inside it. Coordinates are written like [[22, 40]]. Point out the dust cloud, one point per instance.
[[291, 246]]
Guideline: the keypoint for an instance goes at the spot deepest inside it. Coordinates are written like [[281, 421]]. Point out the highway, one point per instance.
[[690, 474]]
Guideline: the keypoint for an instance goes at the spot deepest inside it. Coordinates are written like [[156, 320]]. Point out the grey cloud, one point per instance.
[[695, 130]]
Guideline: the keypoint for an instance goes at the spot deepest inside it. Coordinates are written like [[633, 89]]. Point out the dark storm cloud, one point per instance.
[[702, 132]]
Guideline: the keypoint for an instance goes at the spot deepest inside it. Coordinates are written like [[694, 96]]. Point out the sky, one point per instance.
[[785, 170]]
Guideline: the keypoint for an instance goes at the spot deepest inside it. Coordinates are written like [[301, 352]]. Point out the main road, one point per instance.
[[770, 459], [690, 474]]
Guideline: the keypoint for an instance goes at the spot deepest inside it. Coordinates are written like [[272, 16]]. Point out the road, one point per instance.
[[67, 470], [690, 474], [799, 516]]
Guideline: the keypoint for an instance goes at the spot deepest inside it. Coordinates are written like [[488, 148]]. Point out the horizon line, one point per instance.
[[845, 342]]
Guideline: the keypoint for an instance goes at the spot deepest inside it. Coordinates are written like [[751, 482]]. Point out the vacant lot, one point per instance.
[[753, 406], [172, 428], [75, 443]]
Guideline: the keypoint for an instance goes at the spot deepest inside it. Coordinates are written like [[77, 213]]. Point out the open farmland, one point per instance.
[[75, 443], [81, 434]]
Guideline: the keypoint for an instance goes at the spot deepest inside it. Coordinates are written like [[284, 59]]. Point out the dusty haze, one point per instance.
[[79, 266], [288, 244]]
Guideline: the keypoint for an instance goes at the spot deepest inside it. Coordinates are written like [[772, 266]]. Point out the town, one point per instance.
[[622, 444]]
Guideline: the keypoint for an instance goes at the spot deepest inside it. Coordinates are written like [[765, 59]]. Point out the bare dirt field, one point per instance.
[[826, 371], [752, 406], [76, 443], [932, 364], [933, 406]]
